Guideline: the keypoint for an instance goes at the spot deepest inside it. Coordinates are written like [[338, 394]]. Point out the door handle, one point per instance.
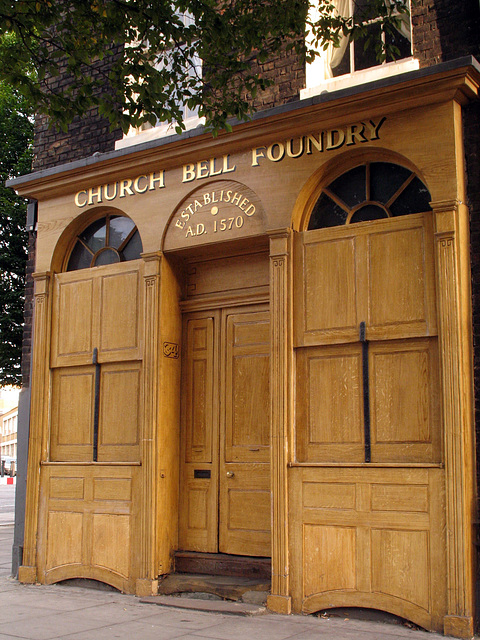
[[230, 474]]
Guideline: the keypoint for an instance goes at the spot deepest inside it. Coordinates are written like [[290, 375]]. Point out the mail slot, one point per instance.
[[201, 473]]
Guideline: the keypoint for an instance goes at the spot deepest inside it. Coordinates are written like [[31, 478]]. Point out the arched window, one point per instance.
[[106, 241], [370, 191]]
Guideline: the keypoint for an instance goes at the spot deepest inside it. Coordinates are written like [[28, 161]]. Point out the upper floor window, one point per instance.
[[355, 61], [106, 241], [190, 116], [371, 191]]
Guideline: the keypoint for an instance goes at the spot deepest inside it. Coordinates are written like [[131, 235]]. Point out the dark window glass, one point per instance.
[[415, 198], [370, 192], [343, 66], [95, 235], [133, 248], [119, 230], [107, 256], [80, 258], [365, 54], [107, 241], [369, 212], [350, 187], [327, 213], [401, 43], [385, 180]]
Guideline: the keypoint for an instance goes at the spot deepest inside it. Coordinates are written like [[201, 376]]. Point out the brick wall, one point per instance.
[[84, 136]]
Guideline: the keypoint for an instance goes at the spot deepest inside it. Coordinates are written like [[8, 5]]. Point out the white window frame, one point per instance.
[[318, 78]]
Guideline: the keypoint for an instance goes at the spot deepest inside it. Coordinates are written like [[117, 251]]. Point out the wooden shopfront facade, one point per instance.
[[260, 345]]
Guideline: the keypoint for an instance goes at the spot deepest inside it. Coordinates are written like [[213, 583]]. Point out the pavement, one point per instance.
[[45, 612]]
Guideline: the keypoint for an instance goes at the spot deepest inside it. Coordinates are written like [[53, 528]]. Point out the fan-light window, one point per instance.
[[370, 191], [106, 241]]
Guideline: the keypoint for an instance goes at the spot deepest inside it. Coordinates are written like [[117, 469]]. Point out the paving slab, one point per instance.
[[226, 607]]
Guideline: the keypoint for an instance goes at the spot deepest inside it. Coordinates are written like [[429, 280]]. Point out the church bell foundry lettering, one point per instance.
[[120, 189]]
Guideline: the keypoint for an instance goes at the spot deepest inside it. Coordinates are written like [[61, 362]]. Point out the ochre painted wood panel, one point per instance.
[[120, 415], [380, 273], [329, 408], [198, 503], [89, 523], [247, 388], [73, 319], [73, 391], [404, 401], [120, 316], [329, 558], [199, 381], [369, 537]]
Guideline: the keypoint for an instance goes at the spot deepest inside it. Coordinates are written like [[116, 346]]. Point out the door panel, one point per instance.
[[245, 470], [225, 477]]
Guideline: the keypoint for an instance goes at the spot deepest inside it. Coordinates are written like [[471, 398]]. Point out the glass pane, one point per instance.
[[107, 256], [80, 258], [94, 235], [401, 42], [414, 199], [365, 55], [120, 227], [368, 212], [326, 213], [134, 248], [385, 180], [351, 186], [343, 66]]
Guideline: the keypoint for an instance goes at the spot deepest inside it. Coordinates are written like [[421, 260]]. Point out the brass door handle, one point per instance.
[[230, 474]]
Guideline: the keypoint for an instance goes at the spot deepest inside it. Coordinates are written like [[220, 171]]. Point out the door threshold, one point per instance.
[[210, 587], [223, 564]]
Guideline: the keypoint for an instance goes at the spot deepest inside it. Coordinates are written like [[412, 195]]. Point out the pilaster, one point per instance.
[[38, 441], [280, 406], [454, 307], [147, 584]]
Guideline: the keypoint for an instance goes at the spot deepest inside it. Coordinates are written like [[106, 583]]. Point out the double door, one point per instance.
[[225, 500]]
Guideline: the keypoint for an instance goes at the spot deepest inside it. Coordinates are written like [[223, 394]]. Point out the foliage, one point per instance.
[[16, 133], [153, 50]]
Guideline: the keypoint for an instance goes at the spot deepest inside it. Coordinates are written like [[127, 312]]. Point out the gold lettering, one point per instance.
[[375, 128], [335, 139], [106, 194], [94, 193], [228, 196], [248, 212], [188, 172], [354, 135], [243, 203], [180, 224], [213, 197], [197, 205], [136, 184], [202, 169], [154, 179], [126, 188], [200, 229], [236, 198], [77, 198], [226, 168], [290, 148], [206, 198], [256, 154], [281, 152], [190, 232], [318, 144], [212, 168]]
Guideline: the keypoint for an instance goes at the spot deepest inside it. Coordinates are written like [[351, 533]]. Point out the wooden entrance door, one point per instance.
[[225, 471]]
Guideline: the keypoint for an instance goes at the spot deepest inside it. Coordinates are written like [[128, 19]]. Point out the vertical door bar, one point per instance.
[[96, 410], [366, 393]]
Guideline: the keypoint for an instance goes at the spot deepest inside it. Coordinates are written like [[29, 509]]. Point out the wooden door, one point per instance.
[[225, 479]]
